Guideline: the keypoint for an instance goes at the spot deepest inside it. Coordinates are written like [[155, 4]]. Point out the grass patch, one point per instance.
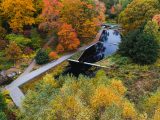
[[77, 55], [4, 63]]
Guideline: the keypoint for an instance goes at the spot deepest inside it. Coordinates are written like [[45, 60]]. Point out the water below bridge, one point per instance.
[[106, 46]]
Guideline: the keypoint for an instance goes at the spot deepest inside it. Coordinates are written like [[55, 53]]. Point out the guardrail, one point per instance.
[[86, 63]]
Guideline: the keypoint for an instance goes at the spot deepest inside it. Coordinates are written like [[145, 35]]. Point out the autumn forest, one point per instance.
[[79, 59]]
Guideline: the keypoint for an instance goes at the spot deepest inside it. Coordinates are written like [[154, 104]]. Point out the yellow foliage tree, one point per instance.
[[86, 34], [65, 107], [104, 97], [18, 13], [129, 111], [81, 99], [137, 13], [49, 79], [153, 102], [157, 114], [118, 86]]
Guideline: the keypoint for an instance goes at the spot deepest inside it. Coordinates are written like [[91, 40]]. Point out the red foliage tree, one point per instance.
[[112, 10], [157, 19], [50, 14], [13, 52], [60, 48], [3, 44]]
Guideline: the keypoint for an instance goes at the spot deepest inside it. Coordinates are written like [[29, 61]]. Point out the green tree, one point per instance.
[[42, 57], [36, 40], [3, 116], [152, 28], [2, 33], [109, 3], [3, 104], [3, 107], [18, 39], [124, 3], [141, 47]]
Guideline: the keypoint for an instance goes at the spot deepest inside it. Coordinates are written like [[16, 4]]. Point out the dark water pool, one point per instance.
[[106, 46]]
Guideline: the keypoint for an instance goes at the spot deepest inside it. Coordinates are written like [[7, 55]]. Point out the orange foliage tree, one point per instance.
[[60, 48], [84, 16], [53, 55], [68, 37]]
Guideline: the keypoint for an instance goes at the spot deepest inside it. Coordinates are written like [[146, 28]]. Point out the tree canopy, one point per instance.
[[78, 98], [138, 13], [18, 13]]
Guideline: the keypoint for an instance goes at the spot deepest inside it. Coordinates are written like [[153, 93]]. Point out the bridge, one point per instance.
[[14, 88]]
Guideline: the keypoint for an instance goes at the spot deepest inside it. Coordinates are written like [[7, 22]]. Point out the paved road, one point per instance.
[[31, 66], [14, 90], [22, 80], [16, 94], [29, 69]]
